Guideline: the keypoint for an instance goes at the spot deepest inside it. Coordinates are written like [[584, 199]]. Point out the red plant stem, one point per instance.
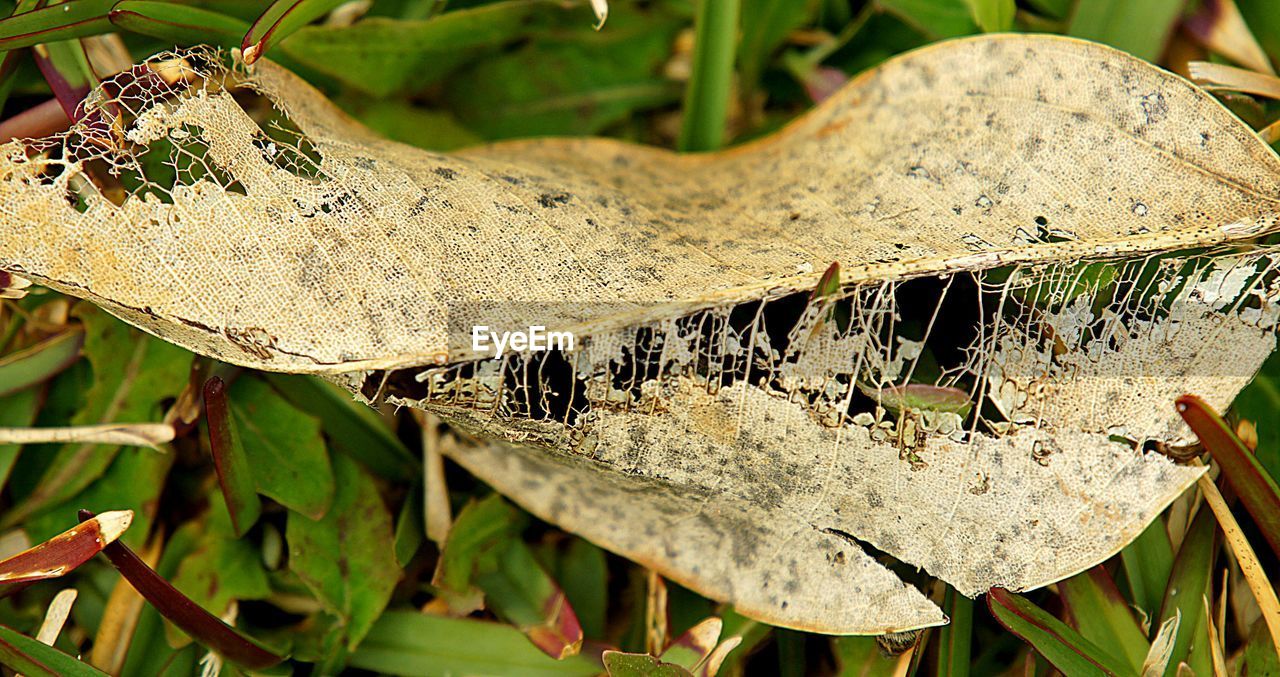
[[203, 626]]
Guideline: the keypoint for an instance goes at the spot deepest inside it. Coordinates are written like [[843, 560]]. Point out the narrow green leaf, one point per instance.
[[1259, 401], [934, 18], [235, 476], [765, 25], [417, 645], [407, 123], [1140, 27], [348, 558], [706, 98], [40, 362], [1147, 563], [521, 592], [18, 411], [584, 575], [993, 16], [1256, 489], [64, 21], [956, 638], [1065, 648], [479, 528], [410, 531], [279, 21], [383, 56], [1188, 582], [179, 24], [30, 657], [1102, 615], [352, 427], [284, 448]]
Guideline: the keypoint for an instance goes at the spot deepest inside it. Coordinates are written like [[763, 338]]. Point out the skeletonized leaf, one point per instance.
[[957, 185]]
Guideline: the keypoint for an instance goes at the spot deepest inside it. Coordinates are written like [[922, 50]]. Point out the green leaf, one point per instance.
[[621, 664], [765, 25], [410, 530], [1255, 488], [235, 477], [132, 375], [62, 21], [1102, 615], [1065, 648], [993, 16], [584, 575], [586, 80], [353, 428], [18, 411], [1147, 563], [479, 528], [1263, 18], [417, 645], [1056, 9], [281, 20], [178, 24], [519, 591], [1188, 584], [220, 568], [706, 96], [38, 363], [1140, 27], [24, 654], [348, 558], [934, 18], [861, 657], [382, 56], [956, 638], [284, 448], [1260, 655]]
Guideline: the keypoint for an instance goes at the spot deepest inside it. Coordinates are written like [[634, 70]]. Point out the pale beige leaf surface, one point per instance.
[[1051, 226]]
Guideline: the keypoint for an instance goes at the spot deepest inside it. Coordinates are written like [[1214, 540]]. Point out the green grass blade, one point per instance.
[[178, 24], [1184, 595], [417, 645], [955, 639], [1065, 648], [1140, 27], [38, 363], [1102, 615], [1256, 489], [1147, 563], [65, 21], [30, 657], [281, 20], [706, 100]]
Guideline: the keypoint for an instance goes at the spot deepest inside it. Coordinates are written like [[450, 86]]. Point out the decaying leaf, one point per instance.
[[709, 420]]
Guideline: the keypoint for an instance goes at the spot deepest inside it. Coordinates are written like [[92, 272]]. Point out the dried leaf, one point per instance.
[[698, 425], [64, 552]]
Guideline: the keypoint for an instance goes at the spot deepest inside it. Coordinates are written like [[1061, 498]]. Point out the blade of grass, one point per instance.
[[64, 21], [179, 24], [993, 16], [201, 625], [279, 21], [1065, 648], [955, 639], [411, 643], [1102, 615], [229, 460], [64, 552], [1147, 563], [706, 100], [31, 657], [1140, 27], [1246, 477], [40, 362], [1187, 584]]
